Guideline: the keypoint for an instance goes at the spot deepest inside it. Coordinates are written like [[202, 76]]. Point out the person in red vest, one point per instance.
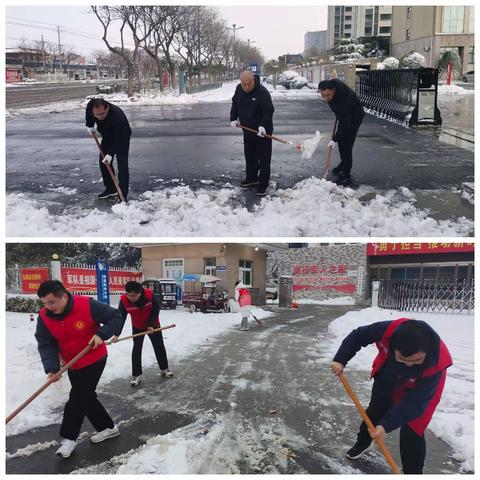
[[242, 296], [409, 374], [144, 309], [66, 325]]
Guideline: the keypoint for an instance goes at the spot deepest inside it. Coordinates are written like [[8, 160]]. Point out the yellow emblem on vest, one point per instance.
[[79, 325]]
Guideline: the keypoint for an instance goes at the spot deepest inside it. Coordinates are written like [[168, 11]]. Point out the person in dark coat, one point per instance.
[[348, 110], [409, 374], [252, 107], [65, 326], [115, 130], [144, 309]]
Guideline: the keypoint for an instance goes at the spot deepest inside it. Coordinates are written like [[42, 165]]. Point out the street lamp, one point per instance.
[[248, 51], [235, 28]]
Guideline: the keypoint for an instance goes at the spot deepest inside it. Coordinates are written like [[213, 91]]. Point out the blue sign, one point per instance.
[[221, 268], [103, 292]]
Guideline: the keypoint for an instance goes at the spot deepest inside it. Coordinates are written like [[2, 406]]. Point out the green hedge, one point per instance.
[[23, 305]]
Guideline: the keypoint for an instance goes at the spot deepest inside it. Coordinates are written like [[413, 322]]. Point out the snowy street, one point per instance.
[[186, 163], [262, 401]]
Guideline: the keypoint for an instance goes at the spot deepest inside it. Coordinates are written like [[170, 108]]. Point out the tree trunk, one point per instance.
[[130, 80], [160, 72]]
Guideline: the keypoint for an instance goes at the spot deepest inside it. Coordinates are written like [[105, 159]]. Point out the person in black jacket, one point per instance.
[[113, 125], [409, 374], [252, 107], [343, 101], [65, 326]]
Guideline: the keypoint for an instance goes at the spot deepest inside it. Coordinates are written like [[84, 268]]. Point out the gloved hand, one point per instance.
[[92, 130], [261, 132], [332, 144], [234, 123], [107, 159]]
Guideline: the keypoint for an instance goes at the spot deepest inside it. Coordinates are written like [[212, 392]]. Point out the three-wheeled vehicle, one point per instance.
[[165, 289], [201, 293]]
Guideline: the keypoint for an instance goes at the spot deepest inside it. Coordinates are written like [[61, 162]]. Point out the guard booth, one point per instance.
[[285, 291], [426, 111]]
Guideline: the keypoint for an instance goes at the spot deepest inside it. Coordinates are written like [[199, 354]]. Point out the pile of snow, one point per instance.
[[454, 417], [453, 90], [191, 332], [390, 63], [313, 207], [413, 60]]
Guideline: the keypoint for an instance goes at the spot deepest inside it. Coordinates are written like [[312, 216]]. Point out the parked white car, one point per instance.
[[469, 76]]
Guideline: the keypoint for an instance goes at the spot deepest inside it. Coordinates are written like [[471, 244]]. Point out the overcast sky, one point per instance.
[[275, 29]]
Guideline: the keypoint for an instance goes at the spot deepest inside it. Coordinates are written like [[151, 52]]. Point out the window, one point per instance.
[[471, 20], [407, 34], [452, 21], [471, 55], [348, 18], [347, 35], [409, 12], [384, 17], [245, 272], [446, 274], [210, 266], [348, 9], [430, 273], [348, 26], [384, 30], [462, 274]]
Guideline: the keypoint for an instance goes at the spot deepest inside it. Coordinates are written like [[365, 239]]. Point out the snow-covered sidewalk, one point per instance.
[[454, 418]]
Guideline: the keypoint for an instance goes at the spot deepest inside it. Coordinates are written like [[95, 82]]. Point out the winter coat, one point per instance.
[[66, 334], [348, 111], [415, 391], [115, 129], [253, 109], [144, 312], [243, 298]]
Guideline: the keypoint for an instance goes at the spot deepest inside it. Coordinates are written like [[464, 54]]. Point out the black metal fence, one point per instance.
[[406, 95], [426, 296]]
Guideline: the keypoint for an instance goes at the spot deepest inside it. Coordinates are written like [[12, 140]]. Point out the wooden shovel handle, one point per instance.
[[370, 425], [148, 332], [281, 140]]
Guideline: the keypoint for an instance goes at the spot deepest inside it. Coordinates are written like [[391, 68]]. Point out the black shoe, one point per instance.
[[107, 194], [337, 170], [262, 191], [344, 180], [357, 450], [248, 183]]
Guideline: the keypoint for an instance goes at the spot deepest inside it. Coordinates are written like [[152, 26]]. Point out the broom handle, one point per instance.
[[48, 382], [281, 140], [109, 168], [148, 332], [370, 425]]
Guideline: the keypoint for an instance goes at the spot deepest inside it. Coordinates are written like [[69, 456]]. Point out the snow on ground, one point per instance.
[[454, 418], [313, 207], [25, 373], [454, 90], [330, 301]]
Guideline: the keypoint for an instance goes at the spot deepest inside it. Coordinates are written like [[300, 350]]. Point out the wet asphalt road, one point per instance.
[[189, 144], [272, 379]]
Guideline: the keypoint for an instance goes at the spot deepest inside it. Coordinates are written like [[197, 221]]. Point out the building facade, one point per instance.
[[316, 42], [432, 30], [229, 262], [358, 21]]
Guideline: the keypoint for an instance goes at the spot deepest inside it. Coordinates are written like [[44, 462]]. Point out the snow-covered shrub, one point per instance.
[[23, 304], [291, 79], [413, 60], [390, 63], [113, 88]]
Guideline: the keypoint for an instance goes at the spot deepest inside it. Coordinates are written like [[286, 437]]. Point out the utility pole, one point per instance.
[[43, 54], [235, 28], [59, 48], [249, 56]]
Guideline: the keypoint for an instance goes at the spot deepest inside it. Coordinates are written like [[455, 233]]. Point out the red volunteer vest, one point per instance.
[[419, 424], [244, 297], [140, 315], [74, 331]]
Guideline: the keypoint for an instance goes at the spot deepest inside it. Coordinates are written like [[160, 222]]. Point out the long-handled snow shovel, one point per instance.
[[381, 445], [330, 151], [109, 168], [256, 319], [307, 148], [69, 364]]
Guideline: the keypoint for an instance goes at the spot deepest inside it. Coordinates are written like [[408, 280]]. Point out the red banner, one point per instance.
[[85, 279], [32, 278], [377, 249]]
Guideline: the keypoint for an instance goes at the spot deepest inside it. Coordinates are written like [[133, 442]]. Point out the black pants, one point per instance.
[[158, 348], [122, 164], [345, 148], [258, 156], [413, 447], [83, 402]]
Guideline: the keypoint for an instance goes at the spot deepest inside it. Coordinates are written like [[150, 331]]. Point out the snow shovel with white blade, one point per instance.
[[330, 151], [109, 168], [307, 148], [75, 359], [370, 425]]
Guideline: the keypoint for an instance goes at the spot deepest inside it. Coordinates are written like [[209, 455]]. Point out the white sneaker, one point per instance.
[[166, 373], [68, 446], [135, 381], [104, 434]]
